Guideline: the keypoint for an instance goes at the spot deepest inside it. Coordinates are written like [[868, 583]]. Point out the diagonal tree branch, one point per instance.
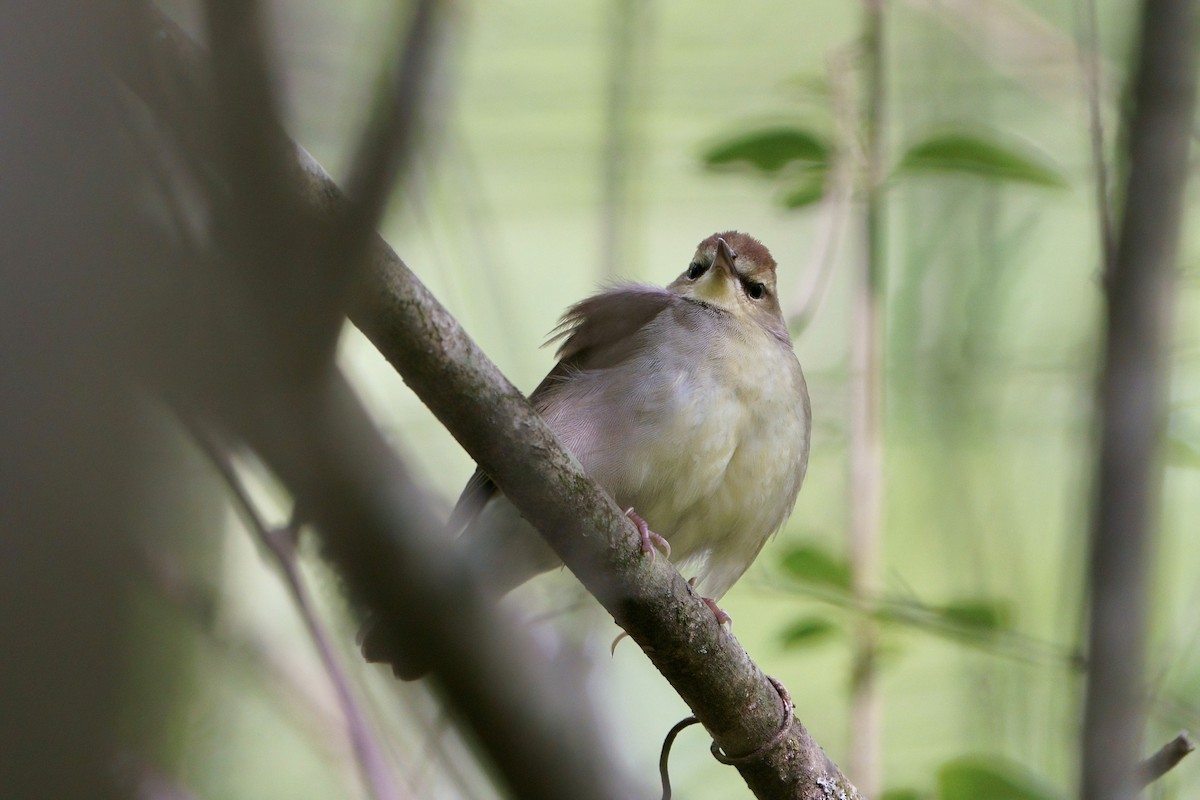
[[354, 494], [734, 700]]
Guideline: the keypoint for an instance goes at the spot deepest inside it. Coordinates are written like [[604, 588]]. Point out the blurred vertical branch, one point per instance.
[[1139, 294], [866, 428], [629, 32]]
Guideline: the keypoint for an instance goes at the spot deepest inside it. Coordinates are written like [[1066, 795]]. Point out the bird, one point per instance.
[[687, 404]]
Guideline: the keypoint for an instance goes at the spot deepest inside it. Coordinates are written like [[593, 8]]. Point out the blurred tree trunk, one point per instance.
[[78, 266], [1139, 292]]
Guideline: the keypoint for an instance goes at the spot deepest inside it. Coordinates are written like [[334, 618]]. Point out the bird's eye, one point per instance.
[[695, 270], [756, 291]]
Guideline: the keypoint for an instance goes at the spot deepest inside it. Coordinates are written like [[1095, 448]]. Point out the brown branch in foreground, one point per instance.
[[1165, 759], [1138, 292], [734, 700], [529, 717]]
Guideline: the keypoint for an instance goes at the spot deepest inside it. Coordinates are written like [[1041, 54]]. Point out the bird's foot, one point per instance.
[[612, 648], [718, 612], [651, 541]]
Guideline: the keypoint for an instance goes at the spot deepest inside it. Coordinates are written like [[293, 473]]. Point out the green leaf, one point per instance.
[[769, 150], [978, 155], [814, 565], [810, 189], [975, 615], [979, 778], [808, 631]]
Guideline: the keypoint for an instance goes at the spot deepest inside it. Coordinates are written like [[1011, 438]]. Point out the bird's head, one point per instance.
[[734, 273]]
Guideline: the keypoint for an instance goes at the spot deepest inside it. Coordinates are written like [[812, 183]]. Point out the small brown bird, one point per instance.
[[687, 404]]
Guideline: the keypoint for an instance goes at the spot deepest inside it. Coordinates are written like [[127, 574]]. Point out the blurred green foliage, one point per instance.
[[988, 779], [978, 154]]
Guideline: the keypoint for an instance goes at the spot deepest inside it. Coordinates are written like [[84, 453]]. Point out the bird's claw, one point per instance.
[[718, 612], [651, 541]]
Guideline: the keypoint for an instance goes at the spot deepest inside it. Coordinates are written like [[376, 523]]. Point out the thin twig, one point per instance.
[[1088, 50], [1165, 759], [867, 412], [838, 197], [318, 720], [280, 543], [628, 32], [1005, 643]]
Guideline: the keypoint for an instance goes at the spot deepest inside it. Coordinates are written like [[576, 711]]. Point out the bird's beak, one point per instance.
[[724, 258]]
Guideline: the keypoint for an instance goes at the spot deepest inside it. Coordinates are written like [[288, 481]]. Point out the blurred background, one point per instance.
[[576, 144]]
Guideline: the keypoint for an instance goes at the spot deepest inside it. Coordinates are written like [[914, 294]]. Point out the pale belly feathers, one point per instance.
[[705, 436]]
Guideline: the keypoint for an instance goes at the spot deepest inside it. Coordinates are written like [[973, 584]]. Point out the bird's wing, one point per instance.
[[596, 333], [600, 332], [474, 497]]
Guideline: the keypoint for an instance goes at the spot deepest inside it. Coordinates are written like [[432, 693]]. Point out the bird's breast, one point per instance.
[[706, 435]]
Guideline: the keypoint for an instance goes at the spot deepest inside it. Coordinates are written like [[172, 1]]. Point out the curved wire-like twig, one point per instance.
[[663, 771], [785, 726], [718, 754]]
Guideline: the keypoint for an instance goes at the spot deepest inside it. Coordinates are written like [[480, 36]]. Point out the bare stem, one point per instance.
[[866, 431], [1089, 63], [838, 197], [1131, 390], [280, 543], [625, 72], [1165, 759]]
